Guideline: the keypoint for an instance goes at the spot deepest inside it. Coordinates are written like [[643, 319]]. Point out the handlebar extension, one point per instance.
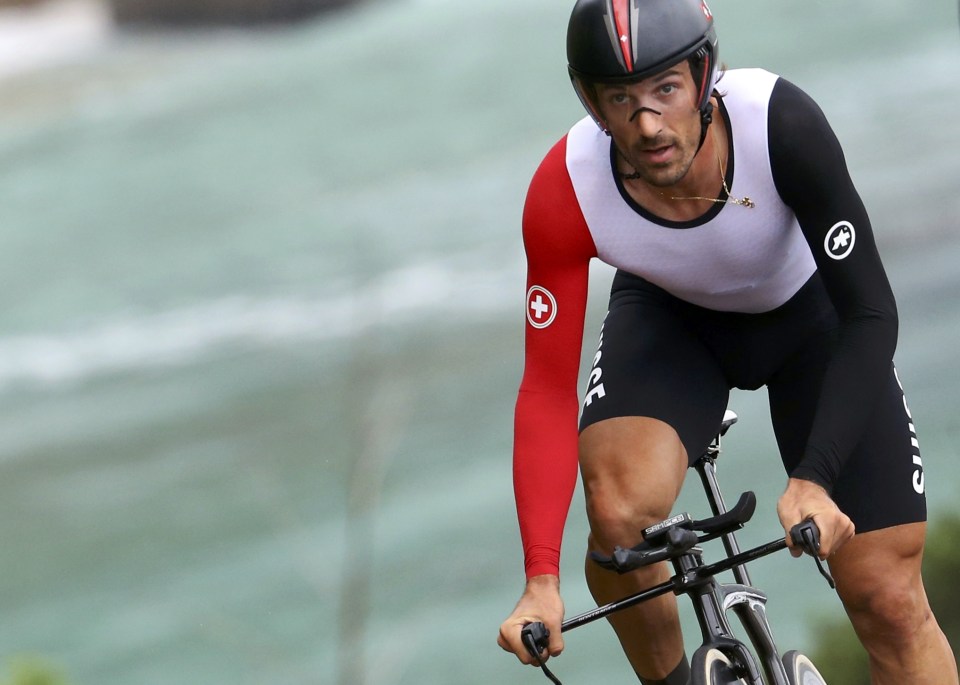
[[677, 535]]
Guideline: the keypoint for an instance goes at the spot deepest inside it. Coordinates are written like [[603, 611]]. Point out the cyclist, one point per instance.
[[745, 259]]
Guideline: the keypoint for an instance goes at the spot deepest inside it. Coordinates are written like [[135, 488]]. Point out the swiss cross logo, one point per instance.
[[541, 307], [706, 10], [840, 239]]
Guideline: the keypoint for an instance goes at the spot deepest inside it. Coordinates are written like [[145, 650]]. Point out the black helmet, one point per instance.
[[610, 41]]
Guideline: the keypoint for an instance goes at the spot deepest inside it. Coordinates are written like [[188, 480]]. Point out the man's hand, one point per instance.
[[540, 602], [804, 499]]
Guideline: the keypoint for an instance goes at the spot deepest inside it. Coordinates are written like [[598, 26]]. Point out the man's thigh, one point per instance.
[[880, 570], [881, 483], [652, 365]]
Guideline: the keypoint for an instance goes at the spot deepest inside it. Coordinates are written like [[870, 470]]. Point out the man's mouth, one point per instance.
[[657, 155]]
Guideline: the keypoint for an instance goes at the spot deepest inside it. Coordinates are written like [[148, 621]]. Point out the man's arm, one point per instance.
[[811, 175], [558, 247]]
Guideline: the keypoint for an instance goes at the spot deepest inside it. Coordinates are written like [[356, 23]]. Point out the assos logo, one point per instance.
[[840, 240]]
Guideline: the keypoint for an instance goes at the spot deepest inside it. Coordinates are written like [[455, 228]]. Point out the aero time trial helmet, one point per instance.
[[610, 41]]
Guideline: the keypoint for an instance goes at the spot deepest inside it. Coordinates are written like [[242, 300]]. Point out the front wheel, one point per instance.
[[800, 670], [712, 667]]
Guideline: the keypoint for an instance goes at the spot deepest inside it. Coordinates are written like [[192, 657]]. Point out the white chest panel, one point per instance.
[[743, 259]]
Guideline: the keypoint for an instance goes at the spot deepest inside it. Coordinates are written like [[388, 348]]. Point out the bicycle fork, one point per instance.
[[749, 604], [711, 614]]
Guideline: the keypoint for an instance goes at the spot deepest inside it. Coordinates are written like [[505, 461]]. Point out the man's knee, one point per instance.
[[888, 609], [878, 578], [620, 523], [632, 470]]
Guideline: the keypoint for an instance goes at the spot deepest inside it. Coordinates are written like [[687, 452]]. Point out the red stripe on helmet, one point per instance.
[[621, 16], [706, 74]]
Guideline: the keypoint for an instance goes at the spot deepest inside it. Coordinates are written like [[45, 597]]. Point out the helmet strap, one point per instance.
[[706, 118]]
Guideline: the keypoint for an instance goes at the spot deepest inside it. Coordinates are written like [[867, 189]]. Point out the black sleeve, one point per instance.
[[811, 176]]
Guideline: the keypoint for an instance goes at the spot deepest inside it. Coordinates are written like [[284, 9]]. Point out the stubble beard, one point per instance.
[[666, 174]]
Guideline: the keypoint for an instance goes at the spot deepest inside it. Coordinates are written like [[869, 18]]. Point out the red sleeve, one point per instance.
[[558, 247]]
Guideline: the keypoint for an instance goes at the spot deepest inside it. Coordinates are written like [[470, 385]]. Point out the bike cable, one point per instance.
[[807, 535]]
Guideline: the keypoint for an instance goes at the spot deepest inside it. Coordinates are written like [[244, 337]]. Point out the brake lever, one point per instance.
[[807, 536], [535, 637]]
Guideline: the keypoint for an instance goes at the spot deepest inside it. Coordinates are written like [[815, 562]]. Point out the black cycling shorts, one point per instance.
[[667, 359]]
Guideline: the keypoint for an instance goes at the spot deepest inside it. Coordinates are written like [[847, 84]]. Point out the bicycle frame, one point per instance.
[[747, 602]]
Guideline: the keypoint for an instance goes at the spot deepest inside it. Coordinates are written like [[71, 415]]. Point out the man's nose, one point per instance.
[[648, 119]]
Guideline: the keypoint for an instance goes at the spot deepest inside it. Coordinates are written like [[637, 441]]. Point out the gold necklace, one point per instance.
[[743, 202]]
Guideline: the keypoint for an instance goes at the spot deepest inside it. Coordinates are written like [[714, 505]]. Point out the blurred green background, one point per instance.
[[261, 299]]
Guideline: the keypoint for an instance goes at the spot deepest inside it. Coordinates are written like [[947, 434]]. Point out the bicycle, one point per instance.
[[722, 658]]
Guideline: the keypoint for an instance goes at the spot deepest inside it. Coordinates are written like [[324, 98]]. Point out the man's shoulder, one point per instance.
[[748, 96], [747, 84], [747, 74], [553, 163], [552, 208], [583, 140], [762, 87]]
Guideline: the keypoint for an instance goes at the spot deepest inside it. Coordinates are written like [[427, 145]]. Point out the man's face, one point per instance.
[[654, 123]]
